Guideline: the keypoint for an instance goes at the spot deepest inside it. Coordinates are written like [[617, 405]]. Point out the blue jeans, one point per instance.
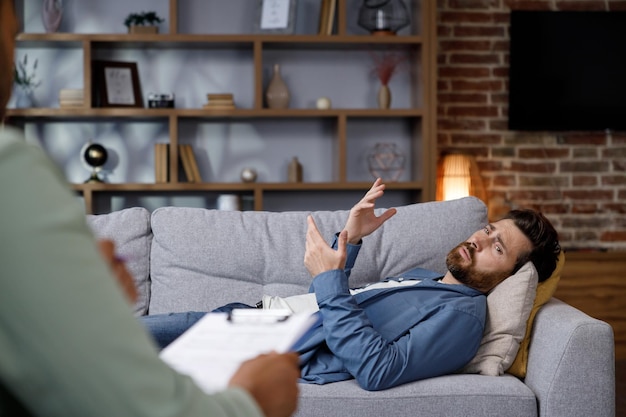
[[165, 328]]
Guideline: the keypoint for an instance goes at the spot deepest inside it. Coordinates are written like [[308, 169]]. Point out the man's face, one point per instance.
[[488, 256]]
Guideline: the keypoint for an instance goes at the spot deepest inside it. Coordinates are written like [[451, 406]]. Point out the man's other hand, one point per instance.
[[319, 256]]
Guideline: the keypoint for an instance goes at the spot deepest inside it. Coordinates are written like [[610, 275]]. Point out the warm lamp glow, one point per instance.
[[458, 177]]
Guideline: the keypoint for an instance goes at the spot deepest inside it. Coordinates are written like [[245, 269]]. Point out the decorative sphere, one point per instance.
[[323, 103], [95, 155], [248, 175]]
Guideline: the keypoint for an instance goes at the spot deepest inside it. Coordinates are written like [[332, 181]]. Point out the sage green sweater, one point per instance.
[[69, 344]]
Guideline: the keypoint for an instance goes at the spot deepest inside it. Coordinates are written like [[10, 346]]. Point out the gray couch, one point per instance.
[[197, 259]]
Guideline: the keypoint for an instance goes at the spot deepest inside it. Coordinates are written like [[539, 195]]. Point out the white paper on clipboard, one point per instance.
[[212, 350]]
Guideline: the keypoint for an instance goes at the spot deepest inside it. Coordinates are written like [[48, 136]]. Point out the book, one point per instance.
[[190, 164], [212, 350], [219, 96], [219, 106], [220, 101], [157, 163], [330, 19], [69, 93], [161, 162], [323, 16], [71, 103], [183, 155]]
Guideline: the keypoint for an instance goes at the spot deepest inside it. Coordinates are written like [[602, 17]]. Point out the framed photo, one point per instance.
[[117, 84], [276, 16]]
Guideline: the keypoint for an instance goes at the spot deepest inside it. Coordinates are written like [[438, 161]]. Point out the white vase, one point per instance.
[[51, 14], [23, 98]]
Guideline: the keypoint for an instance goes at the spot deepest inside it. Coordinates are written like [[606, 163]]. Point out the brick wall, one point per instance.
[[577, 179]]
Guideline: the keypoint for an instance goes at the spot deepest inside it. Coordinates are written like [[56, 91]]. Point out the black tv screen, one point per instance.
[[567, 71]]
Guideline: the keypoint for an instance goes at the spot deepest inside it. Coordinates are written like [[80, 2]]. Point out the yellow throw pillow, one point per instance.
[[545, 291]]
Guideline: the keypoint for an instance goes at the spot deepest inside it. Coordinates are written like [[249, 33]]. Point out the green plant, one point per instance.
[[21, 75], [142, 19]]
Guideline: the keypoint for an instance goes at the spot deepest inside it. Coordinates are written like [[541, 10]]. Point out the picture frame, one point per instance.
[[116, 84], [276, 16]]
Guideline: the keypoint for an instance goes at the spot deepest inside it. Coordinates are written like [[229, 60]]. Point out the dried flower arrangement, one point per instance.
[[386, 64]]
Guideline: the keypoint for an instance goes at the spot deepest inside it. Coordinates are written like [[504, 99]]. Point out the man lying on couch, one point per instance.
[[401, 329]]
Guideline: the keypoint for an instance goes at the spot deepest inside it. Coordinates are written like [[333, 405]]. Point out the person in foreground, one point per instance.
[[420, 325], [70, 345]]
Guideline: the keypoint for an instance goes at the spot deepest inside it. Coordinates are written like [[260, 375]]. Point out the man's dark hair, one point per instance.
[[542, 236]]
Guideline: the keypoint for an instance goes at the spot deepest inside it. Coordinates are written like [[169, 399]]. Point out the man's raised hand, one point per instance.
[[362, 220]]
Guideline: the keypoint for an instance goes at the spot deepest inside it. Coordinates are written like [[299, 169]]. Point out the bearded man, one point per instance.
[[401, 329]]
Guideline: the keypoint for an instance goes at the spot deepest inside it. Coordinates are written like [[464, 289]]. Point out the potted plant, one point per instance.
[[144, 22], [25, 82]]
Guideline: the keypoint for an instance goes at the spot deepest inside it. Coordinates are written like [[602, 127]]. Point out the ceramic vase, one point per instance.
[[384, 97], [277, 93], [23, 98], [294, 172], [51, 14]]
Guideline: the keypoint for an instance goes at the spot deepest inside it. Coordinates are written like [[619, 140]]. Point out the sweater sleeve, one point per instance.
[[70, 345]]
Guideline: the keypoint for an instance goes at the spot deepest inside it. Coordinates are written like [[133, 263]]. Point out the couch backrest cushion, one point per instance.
[[202, 259], [130, 230]]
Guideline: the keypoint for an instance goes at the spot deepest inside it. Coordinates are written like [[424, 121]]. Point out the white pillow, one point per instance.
[[508, 308]]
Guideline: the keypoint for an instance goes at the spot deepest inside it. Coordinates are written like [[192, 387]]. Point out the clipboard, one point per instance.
[[212, 350]]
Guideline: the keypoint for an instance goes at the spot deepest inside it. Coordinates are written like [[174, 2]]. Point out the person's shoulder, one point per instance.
[[13, 141], [10, 136]]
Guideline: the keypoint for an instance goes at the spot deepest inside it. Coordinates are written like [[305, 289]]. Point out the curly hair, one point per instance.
[[543, 237]]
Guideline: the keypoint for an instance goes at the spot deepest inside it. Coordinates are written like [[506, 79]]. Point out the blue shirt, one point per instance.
[[388, 337]]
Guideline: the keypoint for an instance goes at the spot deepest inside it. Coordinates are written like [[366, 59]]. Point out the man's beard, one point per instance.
[[467, 274]]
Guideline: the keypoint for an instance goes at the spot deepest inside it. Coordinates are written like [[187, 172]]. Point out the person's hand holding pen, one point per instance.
[[118, 267]]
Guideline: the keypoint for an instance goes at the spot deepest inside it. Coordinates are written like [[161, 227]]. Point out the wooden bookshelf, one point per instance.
[[420, 116]]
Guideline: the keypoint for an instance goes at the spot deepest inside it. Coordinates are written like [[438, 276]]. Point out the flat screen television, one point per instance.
[[567, 71]]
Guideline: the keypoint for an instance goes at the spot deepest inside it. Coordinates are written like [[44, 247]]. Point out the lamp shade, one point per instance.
[[458, 176]]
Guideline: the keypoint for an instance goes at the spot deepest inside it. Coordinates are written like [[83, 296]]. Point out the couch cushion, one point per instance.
[[130, 230], [202, 259], [449, 396], [508, 308]]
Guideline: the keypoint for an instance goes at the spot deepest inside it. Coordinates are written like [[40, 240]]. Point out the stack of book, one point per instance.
[[186, 156], [71, 97], [222, 101]]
